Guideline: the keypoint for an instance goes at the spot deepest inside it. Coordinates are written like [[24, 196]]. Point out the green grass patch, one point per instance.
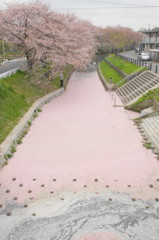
[[147, 145], [108, 72], [18, 92], [122, 64], [149, 95]]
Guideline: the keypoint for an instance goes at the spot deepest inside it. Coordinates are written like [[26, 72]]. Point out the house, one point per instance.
[[150, 43]]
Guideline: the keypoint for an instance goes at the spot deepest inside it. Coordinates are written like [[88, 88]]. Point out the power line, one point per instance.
[[146, 7], [121, 6], [127, 4]]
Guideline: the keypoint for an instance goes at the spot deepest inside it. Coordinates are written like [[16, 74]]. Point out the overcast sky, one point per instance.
[[135, 14]]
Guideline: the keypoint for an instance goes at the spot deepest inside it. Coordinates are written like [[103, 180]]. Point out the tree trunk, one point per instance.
[[30, 56]]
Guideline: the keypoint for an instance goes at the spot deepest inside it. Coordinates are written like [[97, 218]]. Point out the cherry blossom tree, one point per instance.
[[74, 44], [47, 36]]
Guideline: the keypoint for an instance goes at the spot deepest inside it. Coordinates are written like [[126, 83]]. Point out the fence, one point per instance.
[[8, 73], [137, 62], [149, 65], [131, 76]]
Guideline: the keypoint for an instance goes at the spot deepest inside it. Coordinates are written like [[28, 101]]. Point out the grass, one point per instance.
[[18, 92], [108, 72], [147, 145], [149, 95], [122, 64]]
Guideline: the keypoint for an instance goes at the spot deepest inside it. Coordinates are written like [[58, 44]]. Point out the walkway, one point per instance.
[[79, 144]]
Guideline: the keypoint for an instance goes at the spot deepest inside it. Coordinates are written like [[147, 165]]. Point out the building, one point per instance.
[[150, 43]]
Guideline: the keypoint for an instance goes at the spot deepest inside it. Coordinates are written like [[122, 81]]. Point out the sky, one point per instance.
[[135, 14]]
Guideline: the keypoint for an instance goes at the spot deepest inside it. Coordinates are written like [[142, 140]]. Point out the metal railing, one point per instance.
[[8, 73], [149, 65], [135, 61], [130, 75], [138, 89], [150, 40]]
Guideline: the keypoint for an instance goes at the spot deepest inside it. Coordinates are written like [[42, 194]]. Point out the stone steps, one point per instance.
[[150, 126], [138, 86]]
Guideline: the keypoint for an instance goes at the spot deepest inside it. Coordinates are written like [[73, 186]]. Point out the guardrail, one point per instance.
[[146, 64], [150, 40], [138, 90], [8, 73], [128, 77], [137, 62], [17, 59]]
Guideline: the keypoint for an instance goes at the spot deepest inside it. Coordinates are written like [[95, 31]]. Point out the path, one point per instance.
[[79, 144]]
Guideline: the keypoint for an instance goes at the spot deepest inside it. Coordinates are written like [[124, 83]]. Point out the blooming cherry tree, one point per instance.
[[47, 36]]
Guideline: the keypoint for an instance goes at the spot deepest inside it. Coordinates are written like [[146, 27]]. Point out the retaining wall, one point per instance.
[[116, 69], [106, 85], [146, 104]]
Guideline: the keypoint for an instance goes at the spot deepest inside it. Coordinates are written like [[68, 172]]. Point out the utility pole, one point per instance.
[[4, 55]]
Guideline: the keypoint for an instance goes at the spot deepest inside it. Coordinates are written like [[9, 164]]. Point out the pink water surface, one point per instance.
[[81, 136], [100, 236]]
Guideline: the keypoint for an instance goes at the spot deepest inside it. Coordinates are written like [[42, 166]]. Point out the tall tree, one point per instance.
[[47, 36], [119, 38]]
